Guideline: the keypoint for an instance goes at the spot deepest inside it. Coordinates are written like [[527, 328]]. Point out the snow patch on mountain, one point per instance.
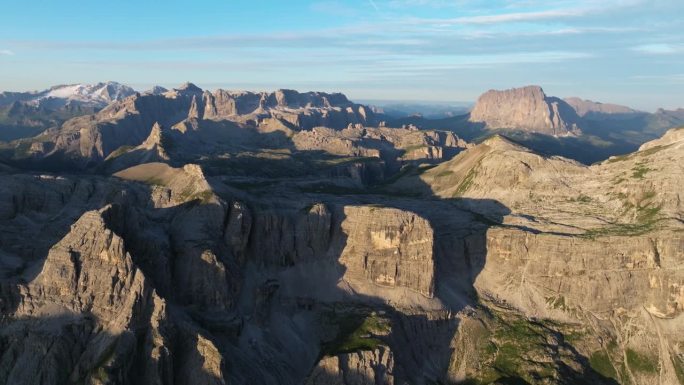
[[89, 95]]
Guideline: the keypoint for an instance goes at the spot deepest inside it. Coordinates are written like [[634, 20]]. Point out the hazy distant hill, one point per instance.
[[430, 110]]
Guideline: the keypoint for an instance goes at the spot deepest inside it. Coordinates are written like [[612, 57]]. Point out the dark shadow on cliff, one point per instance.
[[152, 239], [420, 340]]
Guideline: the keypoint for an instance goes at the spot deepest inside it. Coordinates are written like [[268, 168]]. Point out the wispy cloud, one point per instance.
[[518, 17], [659, 49], [667, 79], [6, 52], [531, 12]]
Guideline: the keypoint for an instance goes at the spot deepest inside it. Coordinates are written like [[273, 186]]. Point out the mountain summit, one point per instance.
[[528, 109], [87, 95]]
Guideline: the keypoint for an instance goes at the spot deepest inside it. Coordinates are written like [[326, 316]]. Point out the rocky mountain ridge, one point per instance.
[[472, 268], [188, 124]]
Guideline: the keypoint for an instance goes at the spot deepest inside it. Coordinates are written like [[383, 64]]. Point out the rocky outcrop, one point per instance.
[[151, 150], [393, 145], [171, 186], [374, 367], [527, 109], [673, 137]]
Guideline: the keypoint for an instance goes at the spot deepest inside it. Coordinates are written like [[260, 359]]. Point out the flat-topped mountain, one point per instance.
[[527, 109]]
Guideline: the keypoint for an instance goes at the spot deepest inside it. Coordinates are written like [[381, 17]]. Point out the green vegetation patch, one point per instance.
[[357, 329], [647, 216], [679, 368], [338, 161], [519, 350], [600, 362], [640, 170], [647, 152], [444, 173], [641, 362], [557, 302], [515, 342], [467, 182]]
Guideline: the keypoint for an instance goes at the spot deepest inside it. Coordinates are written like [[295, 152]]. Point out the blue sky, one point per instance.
[[622, 51]]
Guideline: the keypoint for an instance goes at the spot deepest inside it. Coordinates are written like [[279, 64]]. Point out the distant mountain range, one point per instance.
[[425, 109], [24, 114], [91, 121]]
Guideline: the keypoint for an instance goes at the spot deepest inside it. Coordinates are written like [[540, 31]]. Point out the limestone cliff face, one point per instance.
[[526, 109], [388, 247], [642, 270], [96, 314], [86, 269], [375, 247]]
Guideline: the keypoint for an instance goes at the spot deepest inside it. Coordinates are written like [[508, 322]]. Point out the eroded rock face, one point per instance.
[[642, 271], [388, 247], [527, 109]]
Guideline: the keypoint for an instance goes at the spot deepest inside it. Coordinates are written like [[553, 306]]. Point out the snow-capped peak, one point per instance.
[[156, 90], [92, 95]]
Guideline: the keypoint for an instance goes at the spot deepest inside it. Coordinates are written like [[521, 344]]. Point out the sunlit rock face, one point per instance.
[[527, 109]]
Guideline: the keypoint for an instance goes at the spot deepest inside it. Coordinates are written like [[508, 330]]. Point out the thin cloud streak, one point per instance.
[[6, 52], [572, 11], [659, 49]]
